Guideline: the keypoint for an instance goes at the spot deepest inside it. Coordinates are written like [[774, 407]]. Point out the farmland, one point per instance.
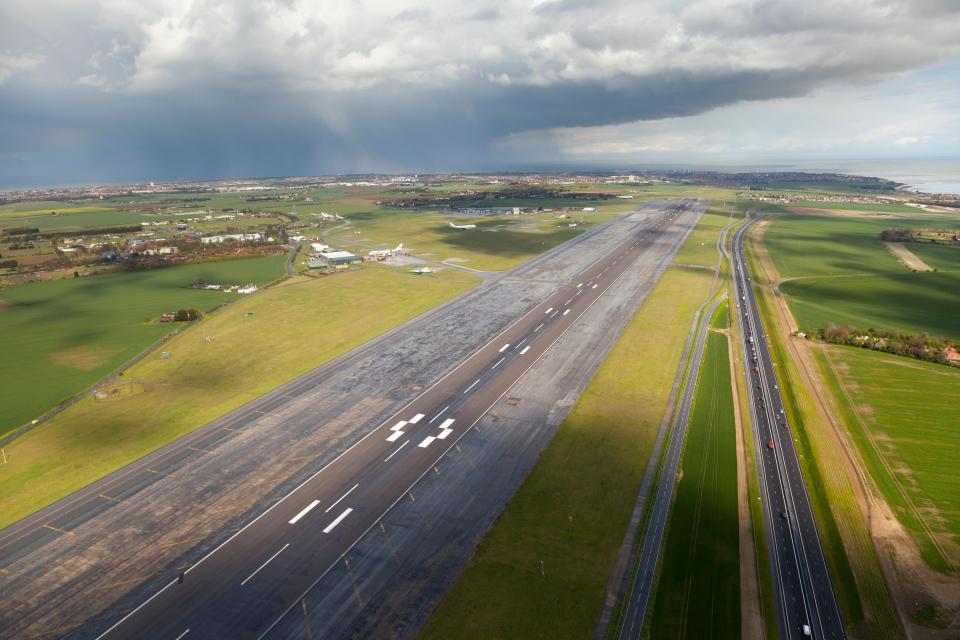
[[901, 414], [699, 586], [843, 274], [856, 206], [256, 344], [64, 335]]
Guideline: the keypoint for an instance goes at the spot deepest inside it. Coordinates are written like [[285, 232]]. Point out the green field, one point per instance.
[[701, 246], [61, 336], [857, 206], [942, 258], [846, 276], [591, 470], [255, 345], [698, 593], [902, 416]]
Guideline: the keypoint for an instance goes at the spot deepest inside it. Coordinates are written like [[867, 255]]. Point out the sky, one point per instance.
[[134, 90]]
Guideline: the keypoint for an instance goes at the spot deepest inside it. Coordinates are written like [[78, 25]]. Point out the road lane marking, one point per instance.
[[396, 435], [327, 510], [182, 634], [498, 363], [549, 310], [426, 442], [539, 326], [504, 347], [447, 423], [307, 509], [330, 527], [579, 285], [397, 450], [443, 434], [442, 411], [554, 313], [525, 349], [594, 287], [399, 425], [263, 565], [566, 312], [472, 386], [520, 344], [580, 291], [568, 301], [417, 418]]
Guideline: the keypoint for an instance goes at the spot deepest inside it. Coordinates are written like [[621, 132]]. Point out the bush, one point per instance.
[[187, 315]]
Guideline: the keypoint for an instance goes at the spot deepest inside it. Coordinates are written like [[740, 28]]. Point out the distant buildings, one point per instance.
[[231, 237]]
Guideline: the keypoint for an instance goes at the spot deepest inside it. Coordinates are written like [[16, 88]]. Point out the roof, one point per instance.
[[333, 255]]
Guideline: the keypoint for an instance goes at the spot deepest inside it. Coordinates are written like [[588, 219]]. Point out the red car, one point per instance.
[[770, 444]]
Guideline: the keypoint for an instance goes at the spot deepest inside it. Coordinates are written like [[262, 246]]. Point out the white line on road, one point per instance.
[[396, 435], [330, 527], [399, 425], [263, 565], [397, 450], [579, 285], [447, 423], [442, 411], [443, 434], [540, 326], [566, 312], [554, 313], [520, 344], [426, 442], [305, 511], [594, 287], [525, 349], [504, 347], [568, 301], [417, 418], [182, 634], [497, 364], [472, 386], [549, 310], [328, 509]]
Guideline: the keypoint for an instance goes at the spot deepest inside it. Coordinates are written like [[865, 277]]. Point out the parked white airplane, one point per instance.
[[383, 253], [462, 226], [422, 270]]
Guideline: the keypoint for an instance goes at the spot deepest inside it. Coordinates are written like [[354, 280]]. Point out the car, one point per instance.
[[806, 631], [770, 443]]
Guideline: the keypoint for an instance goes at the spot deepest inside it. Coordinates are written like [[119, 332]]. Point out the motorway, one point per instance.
[[804, 592], [241, 588]]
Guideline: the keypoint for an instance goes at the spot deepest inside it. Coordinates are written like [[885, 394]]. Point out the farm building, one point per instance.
[[337, 258]]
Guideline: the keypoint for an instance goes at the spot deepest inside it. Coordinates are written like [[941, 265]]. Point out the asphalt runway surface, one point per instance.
[[804, 591], [284, 551]]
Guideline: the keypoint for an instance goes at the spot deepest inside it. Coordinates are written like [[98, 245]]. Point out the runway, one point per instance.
[[804, 592], [346, 497]]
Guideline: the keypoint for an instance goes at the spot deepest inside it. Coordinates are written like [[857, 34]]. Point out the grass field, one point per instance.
[[701, 247], [592, 469], [856, 206], [256, 344], [62, 336], [498, 242], [698, 594], [902, 416], [942, 258]]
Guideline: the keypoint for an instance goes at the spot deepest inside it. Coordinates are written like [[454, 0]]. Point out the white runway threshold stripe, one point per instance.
[[566, 312], [525, 349], [417, 418], [269, 560], [426, 442], [446, 423], [549, 310], [504, 347], [396, 435], [305, 511], [443, 434], [399, 425], [333, 525]]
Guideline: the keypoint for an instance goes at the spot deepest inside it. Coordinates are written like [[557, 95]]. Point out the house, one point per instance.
[[953, 356], [169, 316], [319, 247]]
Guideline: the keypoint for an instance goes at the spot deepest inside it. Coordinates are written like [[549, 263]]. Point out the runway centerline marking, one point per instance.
[[247, 579], [498, 363], [330, 527], [397, 450], [327, 510], [539, 326], [182, 634], [426, 442], [307, 509], [525, 349], [504, 347], [417, 418], [472, 385], [442, 411]]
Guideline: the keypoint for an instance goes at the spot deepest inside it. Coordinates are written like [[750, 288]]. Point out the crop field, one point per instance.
[[902, 416], [857, 206], [256, 344], [845, 275], [701, 248], [698, 594], [941, 258], [592, 469], [61, 336]]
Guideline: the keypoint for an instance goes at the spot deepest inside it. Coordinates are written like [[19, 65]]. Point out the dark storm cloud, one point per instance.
[[214, 88]]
